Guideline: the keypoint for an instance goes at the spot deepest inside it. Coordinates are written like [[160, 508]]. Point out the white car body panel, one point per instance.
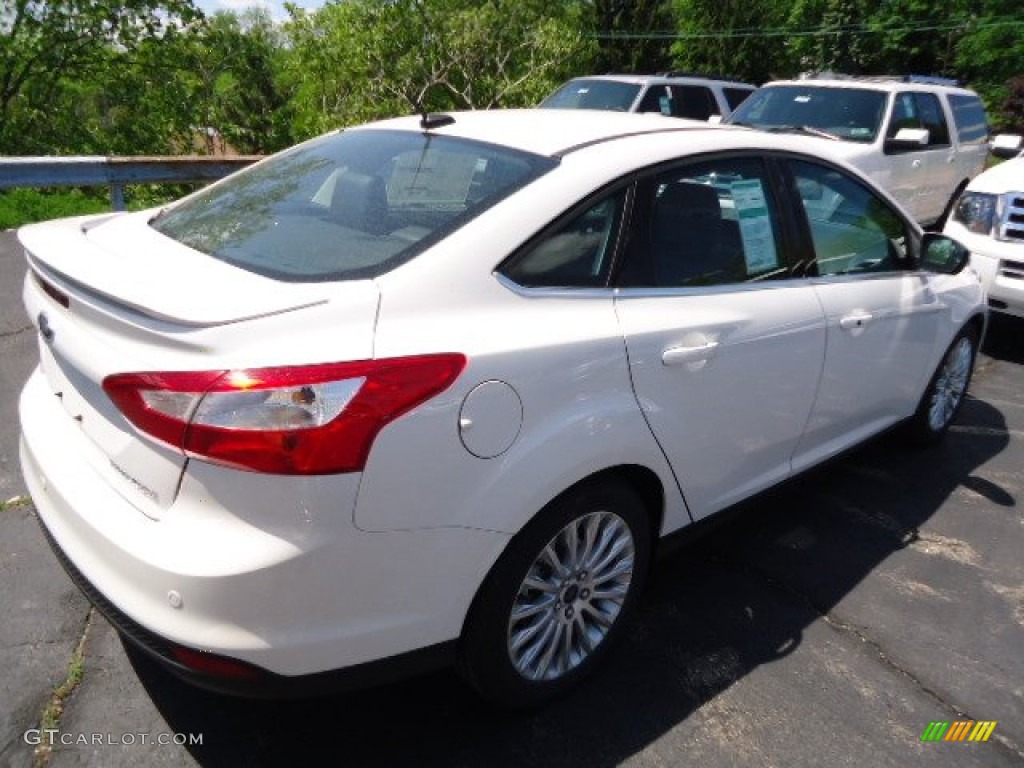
[[301, 574], [999, 263], [888, 325], [123, 258], [705, 409]]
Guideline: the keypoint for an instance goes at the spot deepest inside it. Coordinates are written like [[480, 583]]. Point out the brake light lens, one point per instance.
[[296, 420], [215, 665]]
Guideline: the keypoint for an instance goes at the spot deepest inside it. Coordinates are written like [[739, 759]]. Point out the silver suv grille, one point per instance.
[[1011, 224]]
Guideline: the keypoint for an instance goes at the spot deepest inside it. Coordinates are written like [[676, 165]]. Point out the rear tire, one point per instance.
[[556, 600], [945, 393]]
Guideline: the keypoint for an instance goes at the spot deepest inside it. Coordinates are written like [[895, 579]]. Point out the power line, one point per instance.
[[850, 29]]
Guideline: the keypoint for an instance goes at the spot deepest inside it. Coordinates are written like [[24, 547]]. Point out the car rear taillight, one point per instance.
[[316, 419]]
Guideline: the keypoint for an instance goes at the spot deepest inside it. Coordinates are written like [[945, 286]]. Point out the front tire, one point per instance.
[[945, 392], [556, 600]]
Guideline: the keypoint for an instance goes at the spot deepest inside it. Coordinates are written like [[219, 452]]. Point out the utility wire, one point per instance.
[[851, 29]]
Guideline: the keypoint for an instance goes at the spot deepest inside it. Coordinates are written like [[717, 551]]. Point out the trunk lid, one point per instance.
[[111, 295], [122, 259]]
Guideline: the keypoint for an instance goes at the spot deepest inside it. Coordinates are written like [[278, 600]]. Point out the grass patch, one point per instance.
[[27, 206], [24, 206], [14, 503], [54, 709]]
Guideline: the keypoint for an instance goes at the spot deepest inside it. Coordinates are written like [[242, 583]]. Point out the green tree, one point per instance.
[[732, 37], [990, 56], [366, 59], [225, 76], [44, 43], [830, 36], [631, 35]]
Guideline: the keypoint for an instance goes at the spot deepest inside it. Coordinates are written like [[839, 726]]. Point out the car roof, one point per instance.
[[882, 84], [647, 79], [642, 139], [548, 132]]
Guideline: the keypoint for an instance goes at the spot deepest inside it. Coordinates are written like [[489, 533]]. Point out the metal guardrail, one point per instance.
[[115, 172]]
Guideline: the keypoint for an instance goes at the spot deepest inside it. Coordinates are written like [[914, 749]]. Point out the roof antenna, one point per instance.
[[430, 120]]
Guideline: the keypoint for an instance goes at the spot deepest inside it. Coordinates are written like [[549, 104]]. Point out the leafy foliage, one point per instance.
[[157, 77], [417, 54], [46, 43]]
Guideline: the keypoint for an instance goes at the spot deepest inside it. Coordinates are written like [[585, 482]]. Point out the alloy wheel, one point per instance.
[[571, 596]]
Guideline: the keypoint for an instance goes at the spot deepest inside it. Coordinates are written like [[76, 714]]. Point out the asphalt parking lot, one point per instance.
[[825, 623]]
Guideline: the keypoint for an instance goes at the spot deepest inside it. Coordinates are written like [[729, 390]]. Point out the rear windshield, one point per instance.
[[593, 94], [349, 205], [852, 114]]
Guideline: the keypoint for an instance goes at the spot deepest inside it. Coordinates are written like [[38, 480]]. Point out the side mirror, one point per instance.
[[1006, 145], [908, 139], [715, 119], [943, 254]]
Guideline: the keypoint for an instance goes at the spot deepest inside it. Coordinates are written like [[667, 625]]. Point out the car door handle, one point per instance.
[[916, 163], [856, 320], [679, 355]]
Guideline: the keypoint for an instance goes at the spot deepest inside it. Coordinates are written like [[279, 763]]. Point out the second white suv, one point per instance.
[[989, 220], [922, 139]]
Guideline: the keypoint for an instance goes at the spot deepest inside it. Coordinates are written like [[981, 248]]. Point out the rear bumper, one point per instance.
[[263, 684], [268, 570]]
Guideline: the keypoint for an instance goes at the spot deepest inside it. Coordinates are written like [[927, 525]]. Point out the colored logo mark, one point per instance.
[[959, 730]]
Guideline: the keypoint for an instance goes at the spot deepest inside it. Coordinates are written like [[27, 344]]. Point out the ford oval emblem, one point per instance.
[[44, 326]]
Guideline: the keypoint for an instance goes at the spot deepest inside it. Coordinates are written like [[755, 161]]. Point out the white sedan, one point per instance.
[[432, 389]]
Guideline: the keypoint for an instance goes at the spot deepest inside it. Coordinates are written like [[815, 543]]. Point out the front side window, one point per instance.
[[655, 99], [919, 110], [577, 253], [349, 205], [736, 96], [852, 229], [712, 223], [851, 114], [693, 101]]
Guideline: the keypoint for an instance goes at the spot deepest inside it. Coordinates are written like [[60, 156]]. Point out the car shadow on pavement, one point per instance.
[[738, 597], [1005, 338]]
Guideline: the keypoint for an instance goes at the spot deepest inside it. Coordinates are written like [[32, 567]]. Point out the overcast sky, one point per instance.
[[276, 7]]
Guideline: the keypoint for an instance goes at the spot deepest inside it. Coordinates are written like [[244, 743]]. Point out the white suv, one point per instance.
[[673, 93], [989, 220], [922, 139]]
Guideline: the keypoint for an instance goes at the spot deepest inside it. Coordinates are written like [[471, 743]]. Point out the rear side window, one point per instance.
[[736, 96], [350, 205], [577, 253], [970, 118]]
